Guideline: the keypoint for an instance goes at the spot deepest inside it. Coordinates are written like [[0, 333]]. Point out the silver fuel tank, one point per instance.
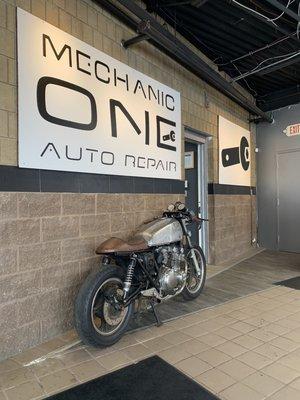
[[160, 231]]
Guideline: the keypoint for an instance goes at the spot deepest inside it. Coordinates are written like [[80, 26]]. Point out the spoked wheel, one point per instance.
[[100, 318], [195, 282]]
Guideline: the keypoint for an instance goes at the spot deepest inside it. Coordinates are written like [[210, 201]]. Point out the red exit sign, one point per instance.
[[292, 130]]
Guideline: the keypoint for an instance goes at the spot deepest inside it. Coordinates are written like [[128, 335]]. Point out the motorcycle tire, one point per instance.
[[84, 323], [191, 295]]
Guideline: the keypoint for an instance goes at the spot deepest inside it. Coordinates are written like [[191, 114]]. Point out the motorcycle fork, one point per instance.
[[191, 248]]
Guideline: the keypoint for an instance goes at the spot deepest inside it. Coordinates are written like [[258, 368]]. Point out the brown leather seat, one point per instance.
[[116, 245]]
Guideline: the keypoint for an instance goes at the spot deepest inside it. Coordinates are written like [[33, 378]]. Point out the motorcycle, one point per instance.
[[157, 263]]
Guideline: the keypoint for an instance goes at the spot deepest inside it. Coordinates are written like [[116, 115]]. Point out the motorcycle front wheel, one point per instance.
[[98, 319], [194, 283]]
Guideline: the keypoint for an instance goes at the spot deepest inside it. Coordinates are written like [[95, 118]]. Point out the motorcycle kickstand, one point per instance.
[[157, 318]]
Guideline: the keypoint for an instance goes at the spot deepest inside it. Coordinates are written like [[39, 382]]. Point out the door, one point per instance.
[[288, 201], [191, 185]]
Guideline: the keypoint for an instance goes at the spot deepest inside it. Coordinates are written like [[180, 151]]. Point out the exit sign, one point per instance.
[[292, 130]]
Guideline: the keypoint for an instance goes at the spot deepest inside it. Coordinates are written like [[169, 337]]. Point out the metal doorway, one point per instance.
[[288, 200], [195, 148]]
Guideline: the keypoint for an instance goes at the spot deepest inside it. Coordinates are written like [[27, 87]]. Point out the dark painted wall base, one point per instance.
[[14, 179], [217, 188]]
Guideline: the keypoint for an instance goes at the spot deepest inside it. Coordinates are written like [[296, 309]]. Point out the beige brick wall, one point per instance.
[[47, 247], [232, 226]]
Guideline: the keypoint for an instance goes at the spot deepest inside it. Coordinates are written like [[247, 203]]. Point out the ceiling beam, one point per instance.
[[285, 9], [260, 18], [283, 64], [271, 67], [181, 53], [280, 98]]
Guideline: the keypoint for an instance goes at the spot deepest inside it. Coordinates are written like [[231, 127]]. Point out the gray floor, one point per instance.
[[254, 274]]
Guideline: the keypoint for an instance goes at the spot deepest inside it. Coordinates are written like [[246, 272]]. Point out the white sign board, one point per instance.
[[292, 130], [81, 110], [234, 154]]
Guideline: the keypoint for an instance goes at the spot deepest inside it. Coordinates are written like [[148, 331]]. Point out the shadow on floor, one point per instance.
[[256, 273]]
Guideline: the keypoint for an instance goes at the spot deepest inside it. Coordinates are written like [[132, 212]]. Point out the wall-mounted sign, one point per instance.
[[234, 154], [189, 160], [292, 130], [81, 110]]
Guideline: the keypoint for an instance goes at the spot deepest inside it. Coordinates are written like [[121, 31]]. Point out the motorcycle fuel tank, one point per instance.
[[161, 231]]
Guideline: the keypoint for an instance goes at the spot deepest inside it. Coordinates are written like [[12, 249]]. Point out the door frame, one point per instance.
[[201, 139]]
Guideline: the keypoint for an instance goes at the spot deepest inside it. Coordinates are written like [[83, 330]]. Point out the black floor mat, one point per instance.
[[150, 379], [293, 283]]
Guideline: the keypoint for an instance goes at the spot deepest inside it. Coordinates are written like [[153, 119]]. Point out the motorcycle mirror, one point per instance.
[[171, 207]]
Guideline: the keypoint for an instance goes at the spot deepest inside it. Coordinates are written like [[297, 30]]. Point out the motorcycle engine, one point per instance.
[[172, 272]]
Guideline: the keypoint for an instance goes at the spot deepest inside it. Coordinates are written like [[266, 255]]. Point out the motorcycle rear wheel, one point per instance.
[[98, 323], [192, 291]]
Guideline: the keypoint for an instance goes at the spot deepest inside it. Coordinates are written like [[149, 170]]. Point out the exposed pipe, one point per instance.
[[283, 8], [163, 39], [260, 18]]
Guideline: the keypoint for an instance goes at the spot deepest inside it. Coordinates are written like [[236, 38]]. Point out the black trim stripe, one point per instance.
[[14, 179], [217, 188]]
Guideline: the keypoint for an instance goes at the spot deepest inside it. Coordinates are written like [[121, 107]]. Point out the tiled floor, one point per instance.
[[245, 349]]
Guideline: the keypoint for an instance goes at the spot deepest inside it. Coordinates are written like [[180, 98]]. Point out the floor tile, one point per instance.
[[231, 349], [284, 344], [213, 357], [242, 327], [29, 355], [8, 365], [26, 391], [215, 380], [288, 323], [263, 334], [281, 372], [194, 330], [254, 360], [15, 377], [270, 351], [137, 352], [47, 366], [296, 384], [75, 357], [195, 346], [236, 369], [53, 383], [174, 354], [157, 344], [114, 360], [239, 391], [176, 337], [193, 366], [52, 345], [263, 383], [291, 361], [293, 335], [227, 333], [87, 370], [287, 393], [248, 342], [212, 339]]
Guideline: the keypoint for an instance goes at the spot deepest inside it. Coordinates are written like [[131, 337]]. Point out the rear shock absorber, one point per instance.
[[129, 275]]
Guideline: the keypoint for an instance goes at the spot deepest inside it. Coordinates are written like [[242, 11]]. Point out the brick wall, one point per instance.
[[47, 247], [48, 240]]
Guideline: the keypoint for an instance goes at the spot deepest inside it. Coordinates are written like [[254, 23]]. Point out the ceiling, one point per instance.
[[254, 41]]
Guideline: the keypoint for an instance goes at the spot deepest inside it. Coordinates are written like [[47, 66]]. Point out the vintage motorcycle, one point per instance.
[[158, 262]]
